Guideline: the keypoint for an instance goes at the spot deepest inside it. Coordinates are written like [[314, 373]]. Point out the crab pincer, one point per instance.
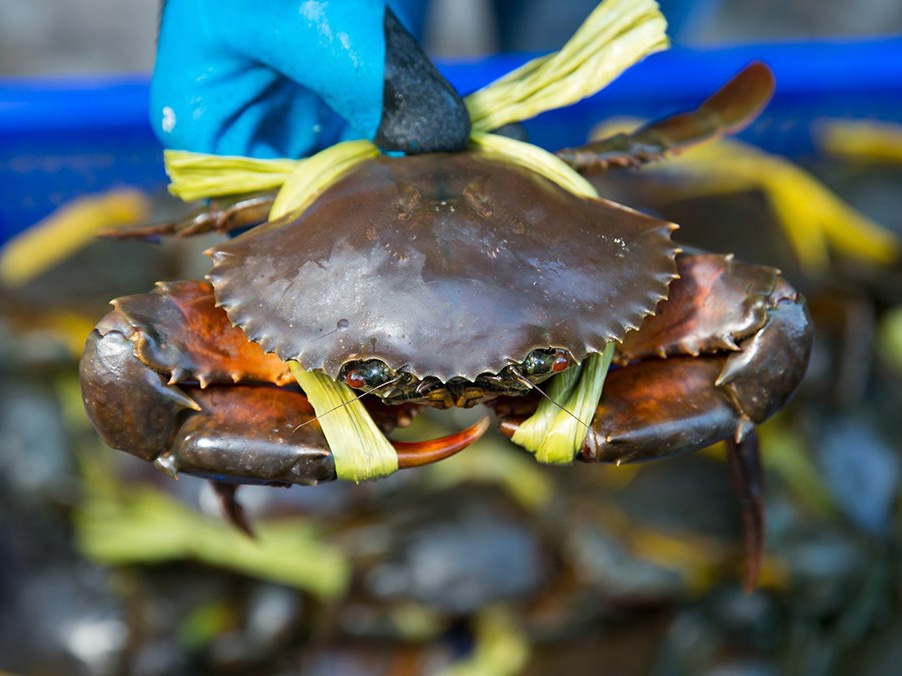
[[722, 354], [167, 378]]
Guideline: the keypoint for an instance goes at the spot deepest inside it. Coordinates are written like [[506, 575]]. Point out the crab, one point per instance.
[[451, 280]]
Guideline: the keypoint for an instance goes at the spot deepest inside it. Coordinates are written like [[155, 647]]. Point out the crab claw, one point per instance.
[[419, 453]]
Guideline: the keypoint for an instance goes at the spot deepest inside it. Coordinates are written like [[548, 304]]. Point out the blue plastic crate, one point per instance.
[[63, 138]]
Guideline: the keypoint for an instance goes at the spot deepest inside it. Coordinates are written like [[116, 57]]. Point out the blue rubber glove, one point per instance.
[[286, 78]]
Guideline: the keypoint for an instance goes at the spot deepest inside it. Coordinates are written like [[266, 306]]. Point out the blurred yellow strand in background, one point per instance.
[[67, 230], [860, 140]]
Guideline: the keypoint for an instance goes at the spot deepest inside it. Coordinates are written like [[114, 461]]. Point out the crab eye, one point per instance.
[[545, 362], [560, 361], [355, 378], [365, 374]]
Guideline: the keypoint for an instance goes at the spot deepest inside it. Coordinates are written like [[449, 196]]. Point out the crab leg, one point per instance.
[[748, 482], [222, 214], [727, 111], [232, 510]]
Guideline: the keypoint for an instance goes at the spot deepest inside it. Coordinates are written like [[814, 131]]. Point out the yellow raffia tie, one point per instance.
[[616, 35], [359, 448], [557, 430], [534, 158]]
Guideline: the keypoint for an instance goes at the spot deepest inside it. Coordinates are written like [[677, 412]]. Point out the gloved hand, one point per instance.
[[286, 78]]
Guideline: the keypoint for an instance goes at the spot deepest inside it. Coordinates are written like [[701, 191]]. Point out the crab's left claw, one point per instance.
[[727, 111], [231, 446], [252, 435], [262, 435]]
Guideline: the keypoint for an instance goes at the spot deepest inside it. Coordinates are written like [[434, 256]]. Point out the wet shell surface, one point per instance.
[[446, 264]]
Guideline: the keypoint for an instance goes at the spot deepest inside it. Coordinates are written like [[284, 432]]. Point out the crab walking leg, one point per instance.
[[222, 215], [727, 111], [748, 482]]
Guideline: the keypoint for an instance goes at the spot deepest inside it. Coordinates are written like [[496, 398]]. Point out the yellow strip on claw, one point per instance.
[[557, 430], [359, 448]]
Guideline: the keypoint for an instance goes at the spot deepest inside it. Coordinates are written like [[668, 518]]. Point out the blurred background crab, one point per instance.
[[627, 567]]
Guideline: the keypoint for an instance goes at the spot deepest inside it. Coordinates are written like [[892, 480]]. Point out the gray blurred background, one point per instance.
[[67, 37]]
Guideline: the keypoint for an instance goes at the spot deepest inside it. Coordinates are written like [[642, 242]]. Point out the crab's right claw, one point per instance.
[[729, 110]]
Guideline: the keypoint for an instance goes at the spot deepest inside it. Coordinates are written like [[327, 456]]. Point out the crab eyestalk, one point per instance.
[[359, 449]]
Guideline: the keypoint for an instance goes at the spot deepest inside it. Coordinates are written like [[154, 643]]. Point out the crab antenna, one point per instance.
[[531, 385], [346, 403]]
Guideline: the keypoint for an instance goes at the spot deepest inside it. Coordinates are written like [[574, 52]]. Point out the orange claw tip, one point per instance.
[[418, 453]]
